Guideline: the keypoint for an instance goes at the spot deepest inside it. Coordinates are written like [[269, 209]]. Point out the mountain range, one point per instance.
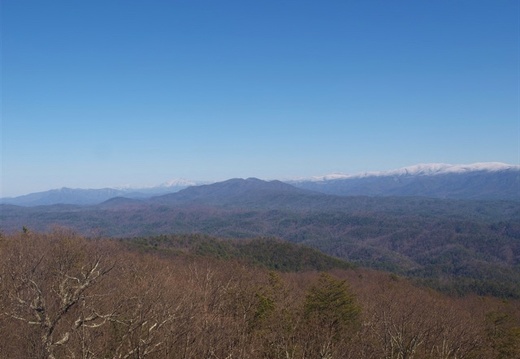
[[474, 240], [80, 196], [477, 181]]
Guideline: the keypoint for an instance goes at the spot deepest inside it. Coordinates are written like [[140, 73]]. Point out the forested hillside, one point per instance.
[[458, 246], [269, 253], [181, 297]]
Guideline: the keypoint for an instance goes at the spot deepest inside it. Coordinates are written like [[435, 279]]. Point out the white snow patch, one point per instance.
[[424, 169], [178, 182]]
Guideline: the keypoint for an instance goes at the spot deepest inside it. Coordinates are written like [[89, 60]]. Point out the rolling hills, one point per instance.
[[453, 244]]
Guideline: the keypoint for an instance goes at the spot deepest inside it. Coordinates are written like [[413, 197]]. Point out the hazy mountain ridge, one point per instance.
[[479, 181], [422, 169], [87, 197], [489, 180]]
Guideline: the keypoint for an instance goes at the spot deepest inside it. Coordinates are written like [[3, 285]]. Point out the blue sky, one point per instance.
[[106, 93]]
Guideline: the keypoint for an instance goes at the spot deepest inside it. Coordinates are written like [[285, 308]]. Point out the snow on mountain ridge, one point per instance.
[[443, 168], [176, 182], [179, 182], [424, 169]]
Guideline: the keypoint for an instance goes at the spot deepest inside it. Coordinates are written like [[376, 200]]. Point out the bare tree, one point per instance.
[[46, 281], [148, 306]]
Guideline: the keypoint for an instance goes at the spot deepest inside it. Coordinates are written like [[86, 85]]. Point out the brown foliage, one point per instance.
[[63, 296]]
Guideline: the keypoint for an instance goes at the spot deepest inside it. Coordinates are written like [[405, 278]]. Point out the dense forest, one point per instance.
[[457, 246], [65, 296]]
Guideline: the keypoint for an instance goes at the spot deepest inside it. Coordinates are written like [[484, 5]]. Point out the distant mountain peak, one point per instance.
[[246, 184], [235, 192]]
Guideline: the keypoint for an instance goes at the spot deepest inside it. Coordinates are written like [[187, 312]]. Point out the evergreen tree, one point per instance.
[[331, 315]]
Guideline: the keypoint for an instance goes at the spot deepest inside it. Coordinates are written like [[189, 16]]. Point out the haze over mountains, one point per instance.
[[81, 196], [477, 181]]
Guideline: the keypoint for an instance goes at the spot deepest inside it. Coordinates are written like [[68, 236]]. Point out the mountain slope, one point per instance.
[[85, 197], [265, 252], [64, 196], [478, 181], [250, 193]]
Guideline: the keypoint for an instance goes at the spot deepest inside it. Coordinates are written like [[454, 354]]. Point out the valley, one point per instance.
[[455, 245]]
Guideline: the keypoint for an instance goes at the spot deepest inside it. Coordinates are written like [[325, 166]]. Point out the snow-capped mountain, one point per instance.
[[489, 180], [428, 169]]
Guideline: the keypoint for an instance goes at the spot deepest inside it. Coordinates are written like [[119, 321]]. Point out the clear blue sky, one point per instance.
[[103, 93]]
